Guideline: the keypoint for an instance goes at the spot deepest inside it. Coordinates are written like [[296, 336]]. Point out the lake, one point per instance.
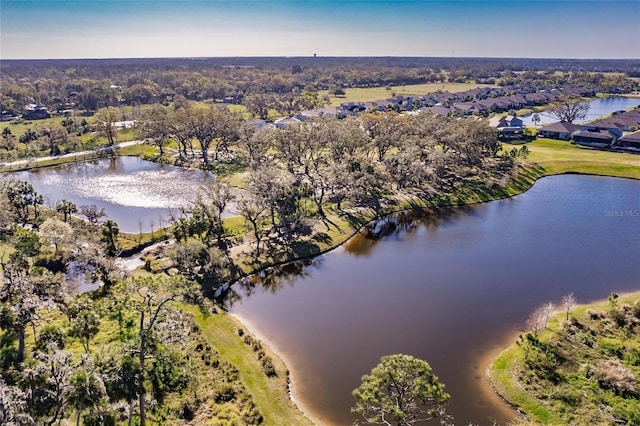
[[453, 289], [597, 108], [137, 194]]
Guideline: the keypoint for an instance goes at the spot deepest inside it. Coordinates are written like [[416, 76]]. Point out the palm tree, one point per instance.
[[85, 390], [67, 208]]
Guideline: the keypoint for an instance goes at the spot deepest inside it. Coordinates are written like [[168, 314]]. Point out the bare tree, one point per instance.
[[253, 212], [105, 122], [569, 108], [539, 318], [92, 213], [568, 302], [155, 126]]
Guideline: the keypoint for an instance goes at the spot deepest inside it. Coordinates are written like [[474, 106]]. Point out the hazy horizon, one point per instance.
[[142, 29]]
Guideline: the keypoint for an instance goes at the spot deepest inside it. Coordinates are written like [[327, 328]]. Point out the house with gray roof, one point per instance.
[[562, 130], [629, 142], [596, 138]]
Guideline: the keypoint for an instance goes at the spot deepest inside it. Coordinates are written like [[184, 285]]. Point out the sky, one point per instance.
[[44, 29]]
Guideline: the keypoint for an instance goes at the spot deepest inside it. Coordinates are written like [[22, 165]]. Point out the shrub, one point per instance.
[[225, 394], [268, 367], [611, 374], [618, 317]]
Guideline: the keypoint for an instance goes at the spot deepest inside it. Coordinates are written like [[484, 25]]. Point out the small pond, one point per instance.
[[137, 194]]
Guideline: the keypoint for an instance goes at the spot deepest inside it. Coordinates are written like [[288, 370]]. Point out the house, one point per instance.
[[505, 121], [509, 127], [436, 110], [561, 130], [35, 112], [465, 107], [610, 125], [259, 123], [629, 142], [281, 123], [597, 138]]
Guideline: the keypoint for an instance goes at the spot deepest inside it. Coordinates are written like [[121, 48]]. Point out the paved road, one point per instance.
[[30, 161]]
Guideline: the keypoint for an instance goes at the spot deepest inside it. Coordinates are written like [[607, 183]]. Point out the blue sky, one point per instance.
[[199, 28]]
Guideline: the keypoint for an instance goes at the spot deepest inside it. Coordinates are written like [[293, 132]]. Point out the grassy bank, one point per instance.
[[557, 157], [270, 394], [580, 371]]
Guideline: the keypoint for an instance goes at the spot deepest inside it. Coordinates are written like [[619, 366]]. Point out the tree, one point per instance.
[[213, 200], [55, 233], [569, 108], [568, 301], [45, 378], [540, 317], [151, 298], [92, 213], [85, 388], [21, 196], [67, 208], [260, 103], [13, 406], [535, 118], [110, 233], [254, 212], [85, 323], [400, 390], [104, 121], [155, 126]]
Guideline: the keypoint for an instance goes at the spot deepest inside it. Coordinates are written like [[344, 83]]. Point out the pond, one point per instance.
[[452, 289], [137, 194], [597, 108]]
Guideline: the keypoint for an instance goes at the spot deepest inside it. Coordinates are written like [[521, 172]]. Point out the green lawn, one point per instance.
[[374, 93], [558, 157]]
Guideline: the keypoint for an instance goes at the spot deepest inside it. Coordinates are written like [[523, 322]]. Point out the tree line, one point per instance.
[[91, 85]]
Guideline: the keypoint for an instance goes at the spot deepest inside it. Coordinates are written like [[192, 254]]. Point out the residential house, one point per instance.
[[35, 112], [629, 142], [562, 130], [509, 127], [505, 121], [281, 123], [436, 109], [593, 137]]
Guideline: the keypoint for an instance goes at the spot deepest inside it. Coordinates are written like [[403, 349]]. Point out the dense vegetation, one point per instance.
[[93, 84], [576, 367]]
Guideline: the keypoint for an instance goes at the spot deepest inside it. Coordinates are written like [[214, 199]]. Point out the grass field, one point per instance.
[[558, 157], [374, 93]]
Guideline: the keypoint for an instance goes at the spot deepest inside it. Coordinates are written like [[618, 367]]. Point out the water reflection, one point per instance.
[[137, 194], [597, 108]]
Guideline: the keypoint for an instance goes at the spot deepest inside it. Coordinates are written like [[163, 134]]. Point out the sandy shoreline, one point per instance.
[[485, 361], [306, 411]]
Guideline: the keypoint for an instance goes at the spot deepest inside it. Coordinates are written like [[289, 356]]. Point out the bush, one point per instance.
[[268, 367], [225, 394], [611, 374]]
